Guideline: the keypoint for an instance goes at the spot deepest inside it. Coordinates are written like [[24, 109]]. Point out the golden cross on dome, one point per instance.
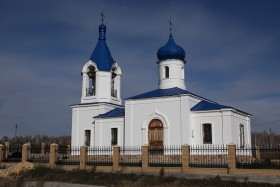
[[102, 16], [170, 25]]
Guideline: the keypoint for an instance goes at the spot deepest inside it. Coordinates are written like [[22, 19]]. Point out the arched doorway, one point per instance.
[[155, 134]]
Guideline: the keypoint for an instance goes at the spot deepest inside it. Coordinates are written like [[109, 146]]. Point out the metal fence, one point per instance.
[[68, 155], [100, 156], [13, 153], [36, 155], [131, 156], [258, 157], [209, 156], [47, 148], [203, 156], [165, 156]]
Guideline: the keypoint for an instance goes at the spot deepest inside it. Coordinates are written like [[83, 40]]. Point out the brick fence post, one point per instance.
[[145, 157], [83, 157], [43, 149], [116, 157], [185, 158], [231, 159], [1, 153], [7, 150], [53, 155], [25, 152]]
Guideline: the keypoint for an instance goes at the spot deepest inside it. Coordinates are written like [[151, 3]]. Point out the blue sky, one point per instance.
[[232, 53]]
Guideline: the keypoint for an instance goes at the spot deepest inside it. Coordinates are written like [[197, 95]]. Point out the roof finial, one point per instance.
[[102, 16], [170, 24]]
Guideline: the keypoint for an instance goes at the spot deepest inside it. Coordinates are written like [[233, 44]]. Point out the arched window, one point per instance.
[[92, 81], [166, 68], [241, 136], [207, 133]]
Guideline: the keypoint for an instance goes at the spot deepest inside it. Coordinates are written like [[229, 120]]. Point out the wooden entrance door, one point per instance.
[[156, 134]]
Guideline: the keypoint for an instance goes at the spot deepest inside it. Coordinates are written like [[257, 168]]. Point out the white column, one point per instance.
[[118, 85], [84, 84]]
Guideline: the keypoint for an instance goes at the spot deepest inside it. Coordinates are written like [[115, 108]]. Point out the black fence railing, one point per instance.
[[209, 156], [165, 156], [203, 156], [131, 156], [100, 156], [68, 155], [258, 157], [47, 148], [37, 155], [13, 153]]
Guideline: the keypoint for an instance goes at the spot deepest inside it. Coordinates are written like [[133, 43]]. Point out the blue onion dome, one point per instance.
[[171, 51]]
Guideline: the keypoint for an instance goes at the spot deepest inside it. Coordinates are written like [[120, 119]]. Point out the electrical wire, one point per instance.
[[268, 123]]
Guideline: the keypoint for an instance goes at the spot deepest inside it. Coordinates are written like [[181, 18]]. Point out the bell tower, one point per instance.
[[101, 74]]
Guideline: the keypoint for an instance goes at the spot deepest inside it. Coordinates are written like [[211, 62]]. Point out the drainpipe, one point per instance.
[[222, 127], [124, 130], [181, 119]]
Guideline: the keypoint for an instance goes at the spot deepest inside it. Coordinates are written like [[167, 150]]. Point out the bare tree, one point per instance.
[[264, 139], [37, 139]]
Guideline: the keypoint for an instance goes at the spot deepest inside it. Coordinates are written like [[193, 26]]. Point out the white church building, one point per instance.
[[168, 115]]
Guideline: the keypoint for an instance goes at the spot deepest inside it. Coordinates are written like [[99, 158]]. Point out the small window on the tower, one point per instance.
[[166, 72]]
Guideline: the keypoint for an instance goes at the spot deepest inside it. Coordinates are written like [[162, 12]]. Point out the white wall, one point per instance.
[[225, 126], [174, 112], [176, 74], [103, 131], [82, 119], [180, 124], [215, 119], [237, 120]]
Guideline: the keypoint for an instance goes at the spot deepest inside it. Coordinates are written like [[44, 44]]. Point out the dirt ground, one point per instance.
[[16, 169]]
